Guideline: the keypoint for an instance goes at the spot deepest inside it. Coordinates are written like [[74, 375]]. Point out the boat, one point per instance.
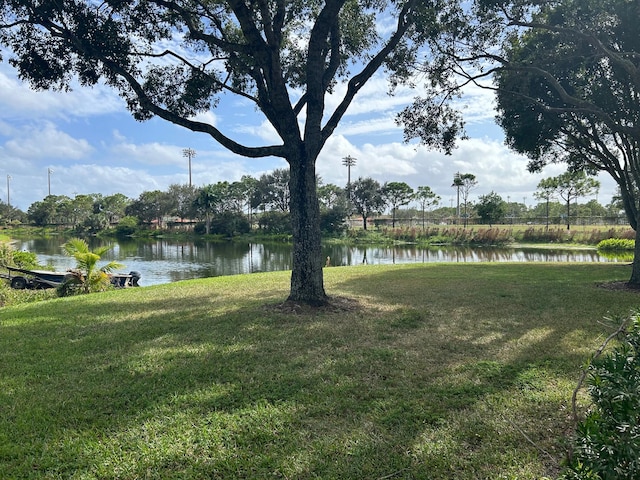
[[20, 278]]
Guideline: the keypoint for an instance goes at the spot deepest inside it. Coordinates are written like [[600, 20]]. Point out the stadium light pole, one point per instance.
[[189, 153], [457, 183], [348, 162]]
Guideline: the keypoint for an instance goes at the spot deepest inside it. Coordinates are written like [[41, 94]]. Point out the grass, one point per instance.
[[437, 371]]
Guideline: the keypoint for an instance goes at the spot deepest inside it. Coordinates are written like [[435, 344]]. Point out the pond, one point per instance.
[[163, 260]]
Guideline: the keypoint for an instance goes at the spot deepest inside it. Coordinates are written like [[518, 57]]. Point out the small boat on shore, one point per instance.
[[20, 278]]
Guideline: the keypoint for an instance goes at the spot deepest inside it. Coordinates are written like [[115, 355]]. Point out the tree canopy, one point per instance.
[[569, 91], [491, 208], [567, 78], [396, 194], [175, 60], [367, 198]]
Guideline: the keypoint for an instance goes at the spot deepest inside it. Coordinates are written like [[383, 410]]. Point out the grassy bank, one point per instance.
[[436, 371]]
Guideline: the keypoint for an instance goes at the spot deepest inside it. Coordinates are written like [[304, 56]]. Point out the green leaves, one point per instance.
[[608, 440], [87, 277]]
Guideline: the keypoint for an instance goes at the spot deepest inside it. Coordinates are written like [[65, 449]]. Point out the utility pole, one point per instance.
[[189, 153], [8, 196]]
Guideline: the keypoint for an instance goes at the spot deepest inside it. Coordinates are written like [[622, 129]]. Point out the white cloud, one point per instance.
[[496, 167], [206, 117], [374, 98], [45, 141], [384, 125], [477, 105], [154, 153], [263, 131], [18, 100]]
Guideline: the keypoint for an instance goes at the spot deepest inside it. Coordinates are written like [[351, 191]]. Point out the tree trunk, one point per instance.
[[634, 281], [306, 276]]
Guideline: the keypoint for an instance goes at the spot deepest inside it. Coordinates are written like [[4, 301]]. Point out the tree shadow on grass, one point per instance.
[[194, 387]]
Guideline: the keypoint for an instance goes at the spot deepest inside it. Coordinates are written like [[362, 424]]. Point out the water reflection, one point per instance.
[[162, 261]]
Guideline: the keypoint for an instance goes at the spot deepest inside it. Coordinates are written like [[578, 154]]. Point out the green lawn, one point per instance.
[[436, 371]]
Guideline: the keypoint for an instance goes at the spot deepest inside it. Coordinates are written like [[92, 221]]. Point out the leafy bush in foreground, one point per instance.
[[607, 444]]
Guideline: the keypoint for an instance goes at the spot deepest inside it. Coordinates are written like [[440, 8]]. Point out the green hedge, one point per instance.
[[616, 244]]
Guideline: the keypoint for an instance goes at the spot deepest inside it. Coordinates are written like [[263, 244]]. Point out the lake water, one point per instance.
[[163, 261]]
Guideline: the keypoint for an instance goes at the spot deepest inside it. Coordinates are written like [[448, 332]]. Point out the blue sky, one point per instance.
[[92, 145]]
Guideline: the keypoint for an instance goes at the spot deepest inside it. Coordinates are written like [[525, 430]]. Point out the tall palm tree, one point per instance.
[[87, 277]]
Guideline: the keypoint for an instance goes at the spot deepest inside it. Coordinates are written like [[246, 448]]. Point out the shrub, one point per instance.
[[333, 220], [616, 244], [275, 223], [10, 296], [26, 260], [127, 226], [607, 444], [6, 253], [15, 258], [230, 224]]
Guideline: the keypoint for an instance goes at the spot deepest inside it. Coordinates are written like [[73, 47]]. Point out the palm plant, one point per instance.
[[87, 277]]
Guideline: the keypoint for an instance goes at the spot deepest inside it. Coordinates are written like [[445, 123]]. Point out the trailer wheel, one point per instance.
[[19, 283]]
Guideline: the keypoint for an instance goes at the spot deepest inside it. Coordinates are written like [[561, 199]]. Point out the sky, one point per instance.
[[85, 141]]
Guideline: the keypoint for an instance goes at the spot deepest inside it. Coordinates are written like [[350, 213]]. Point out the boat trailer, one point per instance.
[[20, 278]]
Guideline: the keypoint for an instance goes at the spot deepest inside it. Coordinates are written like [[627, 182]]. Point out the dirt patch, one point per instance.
[[620, 285], [332, 305]]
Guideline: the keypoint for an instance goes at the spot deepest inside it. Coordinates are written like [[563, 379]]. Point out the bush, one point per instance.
[[26, 260], [332, 221], [275, 223], [127, 226], [10, 296], [6, 253], [616, 244], [15, 258], [230, 224], [607, 444]]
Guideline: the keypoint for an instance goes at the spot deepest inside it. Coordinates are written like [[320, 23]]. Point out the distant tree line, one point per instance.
[[262, 204]]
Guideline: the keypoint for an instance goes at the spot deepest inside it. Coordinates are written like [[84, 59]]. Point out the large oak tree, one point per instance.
[[176, 58]]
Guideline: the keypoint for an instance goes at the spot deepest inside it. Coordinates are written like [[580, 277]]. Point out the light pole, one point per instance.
[[8, 196], [349, 162], [189, 153], [457, 182], [49, 172]]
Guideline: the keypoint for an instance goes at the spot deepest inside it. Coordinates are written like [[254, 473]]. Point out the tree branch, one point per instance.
[[358, 81]]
